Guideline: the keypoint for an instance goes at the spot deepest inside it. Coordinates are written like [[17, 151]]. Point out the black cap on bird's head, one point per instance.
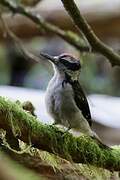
[[64, 61], [70, 62]]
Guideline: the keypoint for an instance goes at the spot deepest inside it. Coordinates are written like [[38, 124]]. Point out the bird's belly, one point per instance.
[[53, 104], [59, 106], [62, 107]]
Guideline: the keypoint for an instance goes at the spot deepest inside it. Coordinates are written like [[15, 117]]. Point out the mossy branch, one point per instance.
[[47, 137], [56, 167], [85, 28], [69, 36]]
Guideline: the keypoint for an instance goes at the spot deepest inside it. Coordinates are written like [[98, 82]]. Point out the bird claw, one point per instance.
[[53, 124], [66, 132]]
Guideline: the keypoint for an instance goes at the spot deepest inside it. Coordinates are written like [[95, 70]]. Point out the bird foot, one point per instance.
[[66, 131], [53, 124]]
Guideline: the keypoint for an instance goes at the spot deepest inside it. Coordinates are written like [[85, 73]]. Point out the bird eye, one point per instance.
[[74, 66], [64, 61]]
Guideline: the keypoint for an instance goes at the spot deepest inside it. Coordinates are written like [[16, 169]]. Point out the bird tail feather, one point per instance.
[[99, 141]]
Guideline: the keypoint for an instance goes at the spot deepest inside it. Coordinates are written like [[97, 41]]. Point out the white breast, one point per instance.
[[58, 99]]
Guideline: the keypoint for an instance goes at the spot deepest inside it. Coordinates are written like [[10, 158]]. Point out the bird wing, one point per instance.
[[81, 101]]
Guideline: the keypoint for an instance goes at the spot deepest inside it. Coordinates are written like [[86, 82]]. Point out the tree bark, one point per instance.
[[81, 149]]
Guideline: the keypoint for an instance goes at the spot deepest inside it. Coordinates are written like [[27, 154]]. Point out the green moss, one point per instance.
[[50, 138]]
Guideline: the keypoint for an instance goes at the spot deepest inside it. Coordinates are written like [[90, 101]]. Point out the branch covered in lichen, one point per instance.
[[84, 27], [69, 36], [56, 167], [47, 137]]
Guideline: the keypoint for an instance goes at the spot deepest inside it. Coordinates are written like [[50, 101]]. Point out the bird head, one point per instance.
[[65, 64]]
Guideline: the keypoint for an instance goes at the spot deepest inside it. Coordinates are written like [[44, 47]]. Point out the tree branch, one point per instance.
[[13, 38], [47, 137], [49, 165], [93, 40], [30, 3], [69, 36], [43, 163]]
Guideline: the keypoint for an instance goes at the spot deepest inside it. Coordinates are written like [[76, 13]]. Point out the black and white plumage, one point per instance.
[[65, 99], [80, 98]]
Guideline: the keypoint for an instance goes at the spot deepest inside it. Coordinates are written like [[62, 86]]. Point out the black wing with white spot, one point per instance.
[[81, 101]]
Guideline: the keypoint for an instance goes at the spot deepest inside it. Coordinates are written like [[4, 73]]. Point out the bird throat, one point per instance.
[[70, 78], [72, 75]]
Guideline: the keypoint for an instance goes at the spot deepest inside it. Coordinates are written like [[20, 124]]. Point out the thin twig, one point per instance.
[[69, 36], [85, 28], [30, 3], [27, 55]]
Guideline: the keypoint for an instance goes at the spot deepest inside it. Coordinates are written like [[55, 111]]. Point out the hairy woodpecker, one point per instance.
[[65, 99]]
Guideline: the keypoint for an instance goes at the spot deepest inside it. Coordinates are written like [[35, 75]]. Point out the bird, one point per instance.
[[65, 99]]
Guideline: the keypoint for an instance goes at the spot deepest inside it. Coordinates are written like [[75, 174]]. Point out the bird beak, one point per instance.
[[49, 57]]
